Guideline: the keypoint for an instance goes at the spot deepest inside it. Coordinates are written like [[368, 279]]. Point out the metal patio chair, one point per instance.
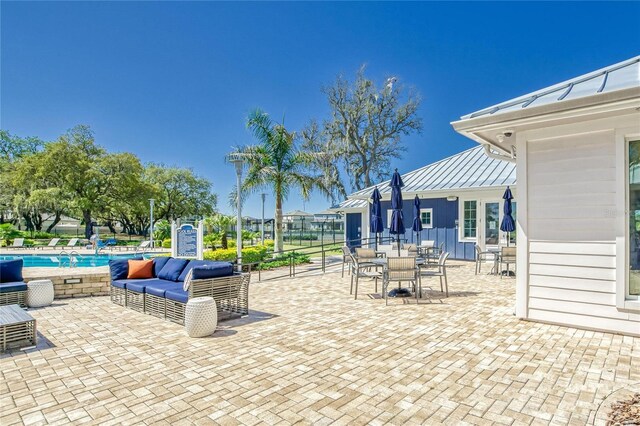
[[360, 268], [346, 260], [507, 257], [483, 256], [401, 269], [440, 272]]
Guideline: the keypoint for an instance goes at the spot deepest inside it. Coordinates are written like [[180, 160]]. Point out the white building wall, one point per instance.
[[571, 232]]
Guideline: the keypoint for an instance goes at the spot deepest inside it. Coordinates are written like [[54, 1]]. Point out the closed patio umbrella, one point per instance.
[[396, 227], [417, 222], [375, 219], [508, 224]]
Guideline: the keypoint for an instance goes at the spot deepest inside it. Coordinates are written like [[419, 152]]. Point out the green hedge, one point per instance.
[[298, 237], [249, 254], [283, 260]]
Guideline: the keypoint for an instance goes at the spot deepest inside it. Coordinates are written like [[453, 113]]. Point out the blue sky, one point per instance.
[[173, 82]]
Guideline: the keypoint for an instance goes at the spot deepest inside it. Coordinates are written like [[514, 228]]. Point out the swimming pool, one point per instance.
[[54, 261]]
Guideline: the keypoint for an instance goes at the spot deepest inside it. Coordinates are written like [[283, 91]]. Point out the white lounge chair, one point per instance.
[[17, 243], [54, 242], [72, 242]]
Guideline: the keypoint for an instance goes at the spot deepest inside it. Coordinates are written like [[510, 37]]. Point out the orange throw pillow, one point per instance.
[[139, 269]]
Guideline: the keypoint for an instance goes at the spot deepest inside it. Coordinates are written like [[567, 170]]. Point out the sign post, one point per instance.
[[187, 241]]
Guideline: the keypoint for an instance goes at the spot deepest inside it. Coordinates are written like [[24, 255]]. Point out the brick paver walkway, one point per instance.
[[309, 353]]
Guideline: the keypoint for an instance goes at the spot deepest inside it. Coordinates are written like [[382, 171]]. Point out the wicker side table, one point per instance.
[[200, 317], [17, 328], [39, 293]]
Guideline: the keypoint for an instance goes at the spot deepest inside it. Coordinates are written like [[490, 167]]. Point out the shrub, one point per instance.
[[269, 244], [283, 260], [162, 230], [212, 240], [37, 235], [226, 255], [298, 237], [249, 254], [166, 243], [7, 233]]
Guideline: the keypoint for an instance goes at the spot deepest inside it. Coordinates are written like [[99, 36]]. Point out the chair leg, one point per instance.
[[446, 283], [384, 292], [477, 261], [351, 289], [441, 288], [356, 295], [342, 274]]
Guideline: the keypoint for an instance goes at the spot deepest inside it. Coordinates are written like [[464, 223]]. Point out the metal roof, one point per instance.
[[469, 169], [623, 75], [297, 213], [350, 204]]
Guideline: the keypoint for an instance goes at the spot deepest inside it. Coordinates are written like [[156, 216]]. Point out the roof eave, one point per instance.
[[469, 125]]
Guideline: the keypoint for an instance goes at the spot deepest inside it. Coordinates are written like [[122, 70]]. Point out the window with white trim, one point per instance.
[[470, 219], [426, 217]]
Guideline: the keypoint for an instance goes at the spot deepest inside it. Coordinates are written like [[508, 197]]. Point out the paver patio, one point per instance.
[[309, 353]]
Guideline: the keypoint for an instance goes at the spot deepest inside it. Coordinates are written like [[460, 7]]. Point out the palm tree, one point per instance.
[[221, 223], [277, 163]]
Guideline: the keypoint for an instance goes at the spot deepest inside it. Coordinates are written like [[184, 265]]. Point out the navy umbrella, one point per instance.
[[396, 226], [375, 217], [508, 224], [417, 222]]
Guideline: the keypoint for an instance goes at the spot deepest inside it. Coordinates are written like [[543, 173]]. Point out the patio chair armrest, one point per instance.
[[231, 293]]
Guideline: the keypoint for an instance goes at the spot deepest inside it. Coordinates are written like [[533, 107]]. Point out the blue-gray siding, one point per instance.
[[445, 214]]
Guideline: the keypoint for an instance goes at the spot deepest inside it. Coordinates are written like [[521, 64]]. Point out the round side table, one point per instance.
[[201, 317], [39, 293]]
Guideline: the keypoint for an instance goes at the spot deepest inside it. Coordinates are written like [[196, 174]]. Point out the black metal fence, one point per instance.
[[319, 252]]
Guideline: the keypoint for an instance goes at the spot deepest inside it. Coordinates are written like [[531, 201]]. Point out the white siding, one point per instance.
[[572, 242]]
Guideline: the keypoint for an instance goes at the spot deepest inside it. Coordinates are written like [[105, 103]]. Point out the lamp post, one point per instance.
[[151, 204], [237, 161], [264, 196]]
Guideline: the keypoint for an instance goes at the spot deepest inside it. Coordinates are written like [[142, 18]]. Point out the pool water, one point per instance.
[[78, 261]]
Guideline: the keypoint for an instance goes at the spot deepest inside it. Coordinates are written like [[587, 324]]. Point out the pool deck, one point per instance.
[[309, 353]]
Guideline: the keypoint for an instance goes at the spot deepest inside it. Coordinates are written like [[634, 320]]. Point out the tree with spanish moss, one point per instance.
[[365, 129]]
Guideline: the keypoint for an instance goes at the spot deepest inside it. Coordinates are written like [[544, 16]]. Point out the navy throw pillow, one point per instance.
[[172, 269], [119, 268], [215, 270], [10, 270], [158, 264], [196, 264]]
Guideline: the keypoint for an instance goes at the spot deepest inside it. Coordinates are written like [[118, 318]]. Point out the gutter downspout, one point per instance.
[[511, 158]]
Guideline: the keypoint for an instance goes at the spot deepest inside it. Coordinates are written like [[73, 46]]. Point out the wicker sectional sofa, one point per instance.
[[12, 287], [164, 295]]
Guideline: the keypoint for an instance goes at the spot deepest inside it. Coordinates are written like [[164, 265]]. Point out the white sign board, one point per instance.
[[186, 241]]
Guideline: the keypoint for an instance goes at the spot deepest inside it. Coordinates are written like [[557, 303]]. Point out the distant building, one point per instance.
[[296, 220]]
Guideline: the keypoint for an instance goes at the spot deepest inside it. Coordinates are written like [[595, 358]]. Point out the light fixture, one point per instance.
[[452, 198]]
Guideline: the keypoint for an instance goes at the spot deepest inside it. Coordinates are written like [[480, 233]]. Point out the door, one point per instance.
[[491, 224], [354, 229]]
